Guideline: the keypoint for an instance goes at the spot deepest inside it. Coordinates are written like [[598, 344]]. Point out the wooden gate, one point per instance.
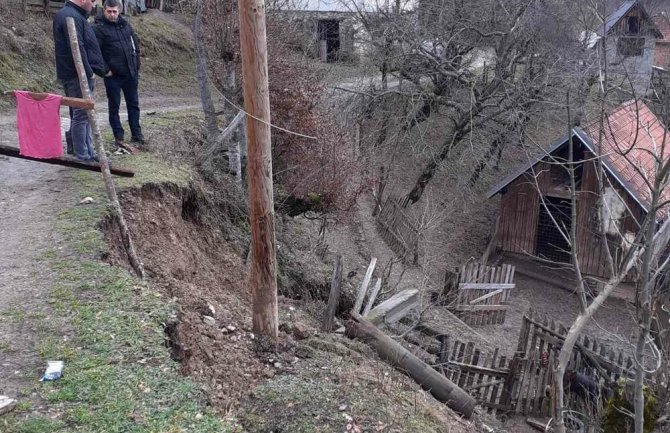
[[480, 294], [398, 231]]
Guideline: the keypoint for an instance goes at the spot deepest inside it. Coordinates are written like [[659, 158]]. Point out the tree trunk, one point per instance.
[[263, 268], [102, 155], [439, 386], [201, 74]]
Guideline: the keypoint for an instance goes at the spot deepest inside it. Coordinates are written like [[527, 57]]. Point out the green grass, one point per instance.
[[115, 322]]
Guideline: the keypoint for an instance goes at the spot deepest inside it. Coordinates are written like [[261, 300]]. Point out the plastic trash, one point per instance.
[[54, 371]]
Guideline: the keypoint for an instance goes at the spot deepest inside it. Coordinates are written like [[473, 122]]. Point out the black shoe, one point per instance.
[[118, 142], [139, 140]]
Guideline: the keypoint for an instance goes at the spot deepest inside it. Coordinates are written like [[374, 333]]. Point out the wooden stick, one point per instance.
[[439, 386], [263, 269], [86, 104], [334, 297], [360, 297], [373, 296], [66, 162], [102, 155]]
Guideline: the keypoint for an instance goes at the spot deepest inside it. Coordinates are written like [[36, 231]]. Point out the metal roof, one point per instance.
[[622, 10], [631, 129]]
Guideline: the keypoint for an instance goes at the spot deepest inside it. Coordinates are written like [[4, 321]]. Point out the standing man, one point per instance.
[[80, 130], [121, 50]]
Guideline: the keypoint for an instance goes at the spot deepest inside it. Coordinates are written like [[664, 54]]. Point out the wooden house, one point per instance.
[[537, 198], [628, 39]]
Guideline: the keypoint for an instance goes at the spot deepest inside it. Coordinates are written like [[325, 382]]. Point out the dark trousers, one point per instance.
[[129, 85], [80, 130]]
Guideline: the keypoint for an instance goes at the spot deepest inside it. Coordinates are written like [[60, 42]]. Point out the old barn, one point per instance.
[[536, 200]]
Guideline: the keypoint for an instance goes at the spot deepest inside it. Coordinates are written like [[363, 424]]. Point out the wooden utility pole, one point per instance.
[[262, 272]]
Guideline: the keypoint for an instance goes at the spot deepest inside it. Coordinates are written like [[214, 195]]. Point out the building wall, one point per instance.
[[519, 211], [305, 24], [662, 54], [638, 68]]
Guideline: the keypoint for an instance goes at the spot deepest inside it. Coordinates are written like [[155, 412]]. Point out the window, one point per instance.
[[629, 46], [633, 25]]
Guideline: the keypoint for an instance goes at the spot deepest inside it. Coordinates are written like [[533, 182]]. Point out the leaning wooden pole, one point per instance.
[[262, 272], [428, 378], [100, 149]]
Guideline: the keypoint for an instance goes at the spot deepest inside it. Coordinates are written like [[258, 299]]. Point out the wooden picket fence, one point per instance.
[[480, 295], [540, 341], [519, 384], [397, 229], [482, 375]]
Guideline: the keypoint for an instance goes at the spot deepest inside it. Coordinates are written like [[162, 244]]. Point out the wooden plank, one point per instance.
[[467, 360], [66, 162], [485, 286], [87, 104], [487, 391], [484, 385], [475, 361], [364, 286], [495, 393], [373, 296], [394, 308], [490, 371], [481, 307]]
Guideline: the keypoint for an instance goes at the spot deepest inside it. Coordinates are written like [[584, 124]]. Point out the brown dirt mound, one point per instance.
[[206, 277]]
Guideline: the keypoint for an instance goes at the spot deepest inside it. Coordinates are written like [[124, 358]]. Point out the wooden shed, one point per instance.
[[536, 198]]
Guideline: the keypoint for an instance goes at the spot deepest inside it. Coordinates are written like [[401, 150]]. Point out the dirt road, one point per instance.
[[31, 196]]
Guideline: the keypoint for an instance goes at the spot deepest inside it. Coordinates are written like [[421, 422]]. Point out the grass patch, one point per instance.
[[118, 376], [309, 403]]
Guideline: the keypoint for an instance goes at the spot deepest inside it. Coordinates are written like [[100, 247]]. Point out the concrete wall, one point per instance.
[[305, 25]]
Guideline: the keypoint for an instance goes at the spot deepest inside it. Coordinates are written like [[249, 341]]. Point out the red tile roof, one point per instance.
[[633, 138]]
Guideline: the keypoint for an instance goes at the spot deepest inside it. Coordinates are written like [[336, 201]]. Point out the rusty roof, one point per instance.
[[632, 136]]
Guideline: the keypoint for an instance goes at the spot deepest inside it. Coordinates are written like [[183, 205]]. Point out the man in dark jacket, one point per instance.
[[79, 10], [121, 50]]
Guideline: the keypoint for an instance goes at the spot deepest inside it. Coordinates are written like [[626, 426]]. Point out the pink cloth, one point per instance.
[[38, 123]]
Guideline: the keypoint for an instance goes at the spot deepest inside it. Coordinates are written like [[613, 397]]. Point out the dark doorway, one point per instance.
[[329, 40], [550, 243]]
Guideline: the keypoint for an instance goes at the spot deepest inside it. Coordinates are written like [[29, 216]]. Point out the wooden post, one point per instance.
[[334, 297], [439, 386], [102, 155], [262, 272]]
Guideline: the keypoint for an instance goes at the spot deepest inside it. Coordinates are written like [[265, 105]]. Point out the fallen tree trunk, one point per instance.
[[439, 386]]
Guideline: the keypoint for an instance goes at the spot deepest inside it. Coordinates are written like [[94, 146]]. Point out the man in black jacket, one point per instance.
[[80, 130], [121, 50]]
